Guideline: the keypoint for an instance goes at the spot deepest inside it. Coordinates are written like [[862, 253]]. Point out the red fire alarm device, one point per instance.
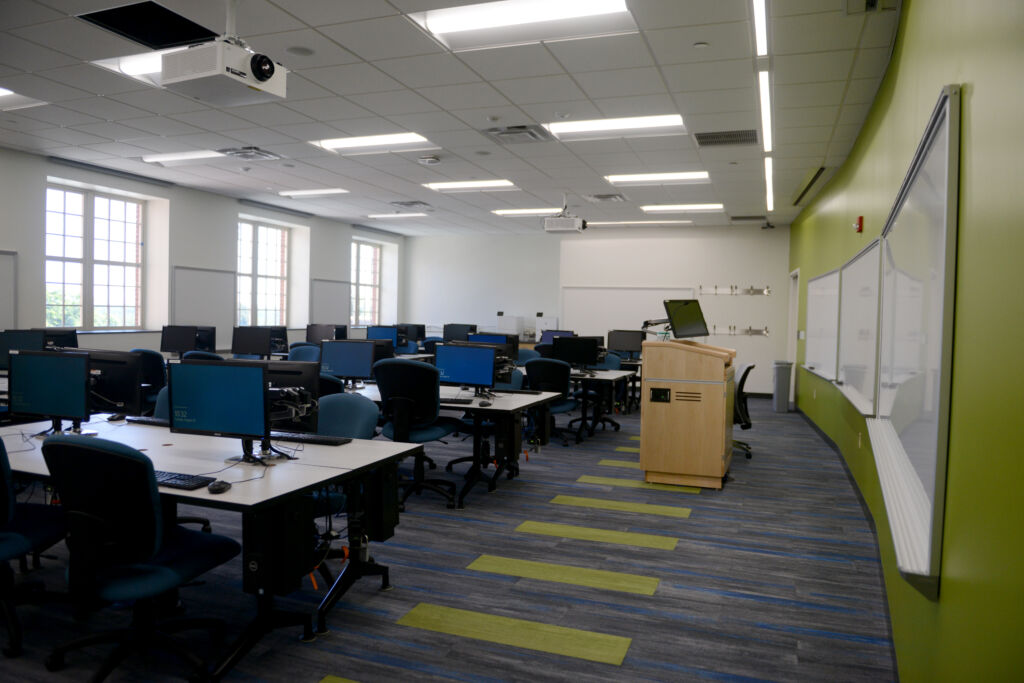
[[858, 225]]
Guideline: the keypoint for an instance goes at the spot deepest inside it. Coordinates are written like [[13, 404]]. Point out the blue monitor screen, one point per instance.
[[50, 384], [470, 365], [221, 399], [12, 340], [547, 335], [488, 338], [381, 332], [347, 359]]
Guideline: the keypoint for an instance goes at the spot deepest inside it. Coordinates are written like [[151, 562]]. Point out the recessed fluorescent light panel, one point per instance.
[[376, 144], [681, 208], [526, 212], [760, 28], [471, 185], [632, 126], [181, 156], [766, 109], [521, 22], [591, 223], [769, 184], [675, 178], [10, 100], [396, 215], [313, 193]]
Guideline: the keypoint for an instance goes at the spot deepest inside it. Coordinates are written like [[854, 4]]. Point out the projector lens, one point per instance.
[[262, 67]]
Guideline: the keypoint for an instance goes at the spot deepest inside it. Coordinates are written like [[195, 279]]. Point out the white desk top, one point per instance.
[[195, 454], [604, 375], [500, 403]]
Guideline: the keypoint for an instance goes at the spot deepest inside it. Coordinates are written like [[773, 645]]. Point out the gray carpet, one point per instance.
[[775, 577]]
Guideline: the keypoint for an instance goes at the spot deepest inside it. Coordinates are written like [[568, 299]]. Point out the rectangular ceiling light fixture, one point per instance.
[[313, 193], [675, 178], [591, 223], [526, 212], [769, 184], [521, 22], [375, 144], [632, 126], [181, 156], [766, 109], [396, 215], [471, 185], [681, 208], [10, 101], [760, 28]]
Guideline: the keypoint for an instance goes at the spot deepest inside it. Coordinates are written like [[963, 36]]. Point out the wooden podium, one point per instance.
[[686, 416]]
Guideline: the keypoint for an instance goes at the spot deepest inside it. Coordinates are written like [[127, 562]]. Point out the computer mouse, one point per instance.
[[484, 404], [219, 486]]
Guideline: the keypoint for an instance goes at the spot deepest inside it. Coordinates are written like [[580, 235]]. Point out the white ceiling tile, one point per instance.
[[289, 133], [788, 117], [270, 114], [853, 114], [43, 89], [69, 136], [737, 120], [664, 13], [26, 56], [465, 96], [368, 126], [428, 122], [278, 46], [156, 144], [668, 143], [800, 150], [520, 61], [488, 117], [723, 75], [784, 8], [23, 12], [159, 101], [213, 120], [816, 33], [846, 133], [539, 89], [880, 29], [25, 141], [458, 138], [813, 68], [254, 17], [810, 94], [120, 149], [382, 38], [427, 70], [579, 110], [320, 13], [94, 79], [110, 130], [300, 88], [712, 101], [57, 116], [394, 102], [79, 154], [724, 41], [296, 150], [861, 90], [643, 105], [871, 63], [105, 108], [621, 82], [352, 79], [328, 109], [602, 54], [204, 141], [803, 134], [78, 38]]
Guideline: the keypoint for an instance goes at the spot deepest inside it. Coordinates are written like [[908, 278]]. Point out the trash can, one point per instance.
[[780, 399]]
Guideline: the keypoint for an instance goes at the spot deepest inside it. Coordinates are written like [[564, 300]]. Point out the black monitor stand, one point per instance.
[[248, 455], [57, 427]]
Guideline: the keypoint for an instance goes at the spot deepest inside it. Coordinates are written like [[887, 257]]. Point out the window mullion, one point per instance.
[[88, 216]]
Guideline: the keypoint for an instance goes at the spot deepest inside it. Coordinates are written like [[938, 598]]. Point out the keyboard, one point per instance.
[[457, 401], [304, 437], [146, 420], [176, 480], [533, 392]]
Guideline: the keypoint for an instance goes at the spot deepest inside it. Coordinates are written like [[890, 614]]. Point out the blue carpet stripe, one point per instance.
[[822, 633], [785, 602], [694, 671]]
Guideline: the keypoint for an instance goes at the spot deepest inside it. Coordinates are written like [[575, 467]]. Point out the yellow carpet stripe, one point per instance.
[[336, 679], [584, 533], [622, 506], [531, 635], [627, 449], [635, 484], [620, 463], [562, 573], [634, 438]]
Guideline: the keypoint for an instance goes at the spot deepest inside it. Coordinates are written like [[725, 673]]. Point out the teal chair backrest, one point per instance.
[[349, 415]]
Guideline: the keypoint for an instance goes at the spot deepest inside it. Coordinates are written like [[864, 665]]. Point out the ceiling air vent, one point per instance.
[[517, 135], [809, 180], [604, 198], [747, 218], [726, 137], [411, 204], [249, 154]]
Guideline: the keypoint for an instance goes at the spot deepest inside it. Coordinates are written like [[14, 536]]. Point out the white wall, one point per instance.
[[459, 279]]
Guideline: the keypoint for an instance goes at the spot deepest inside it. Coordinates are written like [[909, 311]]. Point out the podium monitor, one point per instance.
[[685, 318]]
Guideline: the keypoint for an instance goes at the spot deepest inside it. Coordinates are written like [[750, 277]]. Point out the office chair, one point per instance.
[[120, 550], [740, 414], [408, 347], [162, 405], [154, 373], [550, 374], [25, 528], [430, 343], [525, 355], [482, 435], [348, 415], [305, 352], [196, 354], [410, 402], [297, 344], [611, 362], [545, 350]]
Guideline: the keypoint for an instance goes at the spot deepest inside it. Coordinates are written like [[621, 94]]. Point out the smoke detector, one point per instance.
[[429, 160]]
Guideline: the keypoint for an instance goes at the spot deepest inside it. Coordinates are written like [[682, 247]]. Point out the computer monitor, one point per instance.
[[457, 331], [412, 332], [19, 340], [50, 385], [316, 333], [510, 341], [547, 335], [115, 382], [206, 338], [278, 339], [178, 338], [220, 398], [625, 340], [465, 365], [382, 348], [253, 341], [348, 360], [685, 318], [60, 337], [383, 332], [577, 351]]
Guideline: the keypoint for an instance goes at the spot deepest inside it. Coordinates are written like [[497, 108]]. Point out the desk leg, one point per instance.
[[508, 443], [475, 471]]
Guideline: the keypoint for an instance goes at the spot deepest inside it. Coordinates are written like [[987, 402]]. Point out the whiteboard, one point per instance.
[[595, 310], [858, 328], [822, 324], [329, 302], [202, 296], [8, 290], [915, 347]]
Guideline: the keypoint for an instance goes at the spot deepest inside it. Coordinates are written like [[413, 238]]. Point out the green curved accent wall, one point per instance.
[[975, 630]]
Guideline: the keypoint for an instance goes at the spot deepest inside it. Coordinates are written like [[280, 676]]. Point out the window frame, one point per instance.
[[255, 275], [357, 285], [88, 261]]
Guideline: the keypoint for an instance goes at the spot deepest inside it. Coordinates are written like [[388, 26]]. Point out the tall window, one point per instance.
[[93, 260], [365, 283], [262, 275]]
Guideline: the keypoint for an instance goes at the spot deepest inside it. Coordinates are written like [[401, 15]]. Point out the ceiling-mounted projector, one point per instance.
[[223, 74], [564, 224]]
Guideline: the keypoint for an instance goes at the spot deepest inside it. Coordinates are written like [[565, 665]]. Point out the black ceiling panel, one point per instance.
[[150, 24]]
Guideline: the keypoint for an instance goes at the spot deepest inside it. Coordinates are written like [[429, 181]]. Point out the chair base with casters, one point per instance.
[[743, 447], [740, 413], [398, 430]]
